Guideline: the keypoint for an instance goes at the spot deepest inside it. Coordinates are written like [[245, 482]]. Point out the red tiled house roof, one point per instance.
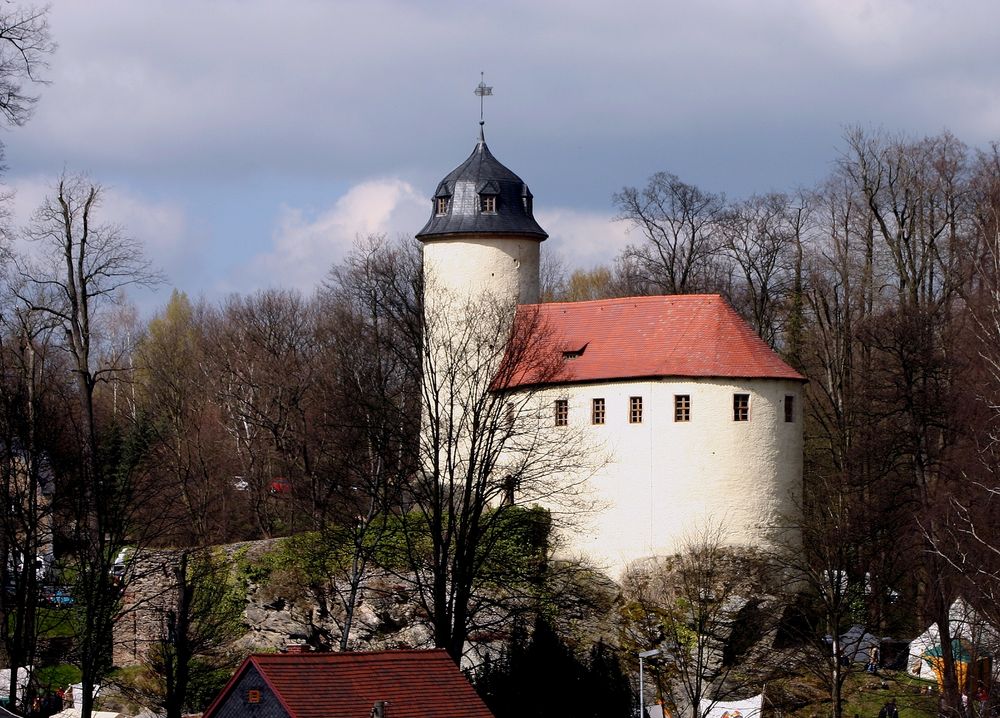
[[691, 335], [414, 684]]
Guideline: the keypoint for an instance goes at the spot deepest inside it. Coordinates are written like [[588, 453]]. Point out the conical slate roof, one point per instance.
[[463, 190]]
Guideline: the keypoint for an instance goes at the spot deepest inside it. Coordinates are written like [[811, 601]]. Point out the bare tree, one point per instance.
[[679, 224], [79, 268], [964, 536], [762, 237], [885, 346], [706, 608], [371, 377], [264, 365], [29, 430], [198, 629], [192, 449], [836, 580], [484, 448], [25, 45]]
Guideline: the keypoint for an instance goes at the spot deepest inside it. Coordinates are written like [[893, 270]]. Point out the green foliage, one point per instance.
[[514, 550], [58, 676], [217, 602], [195, 652], [803, 696], [207, 681], [518, 545], [54, 622], [250, 573]]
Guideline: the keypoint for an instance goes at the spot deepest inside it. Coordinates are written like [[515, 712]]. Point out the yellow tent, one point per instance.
[[963, 653]]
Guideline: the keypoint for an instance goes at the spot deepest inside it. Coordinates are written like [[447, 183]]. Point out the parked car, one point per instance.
[[117, 570], [279, 485], [57, 596]]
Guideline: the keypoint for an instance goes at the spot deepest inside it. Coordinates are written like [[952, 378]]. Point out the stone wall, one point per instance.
[[278, 613]]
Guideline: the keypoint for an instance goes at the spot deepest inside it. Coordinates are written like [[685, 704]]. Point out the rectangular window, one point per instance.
[[789, 409], [442, 205], [597, 411], [635, 410], [562, 412], [489, 203], [682, 407], [741, 407]]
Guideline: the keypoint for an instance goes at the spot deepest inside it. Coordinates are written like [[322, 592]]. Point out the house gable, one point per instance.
[[248, 695], [410, 683]]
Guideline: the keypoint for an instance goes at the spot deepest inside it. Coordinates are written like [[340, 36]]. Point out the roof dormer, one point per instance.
[[481, 196]]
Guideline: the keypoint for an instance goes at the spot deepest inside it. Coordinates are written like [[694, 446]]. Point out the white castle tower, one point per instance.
[[481, 238]]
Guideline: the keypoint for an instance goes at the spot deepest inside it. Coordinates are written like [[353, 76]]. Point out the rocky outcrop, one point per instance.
[[279, 611]]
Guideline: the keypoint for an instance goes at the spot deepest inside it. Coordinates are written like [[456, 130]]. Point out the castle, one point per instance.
[[700, 420]]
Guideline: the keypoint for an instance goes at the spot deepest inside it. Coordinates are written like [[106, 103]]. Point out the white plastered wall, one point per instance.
[[665, 481], [473, 265]]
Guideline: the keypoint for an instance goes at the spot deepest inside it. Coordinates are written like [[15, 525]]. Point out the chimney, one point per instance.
[[378, 710], [297, 648]]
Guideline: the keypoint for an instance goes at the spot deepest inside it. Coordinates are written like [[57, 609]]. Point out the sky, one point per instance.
[[247, 144]]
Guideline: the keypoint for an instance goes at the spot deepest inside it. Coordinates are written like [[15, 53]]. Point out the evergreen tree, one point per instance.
[[542, 677]]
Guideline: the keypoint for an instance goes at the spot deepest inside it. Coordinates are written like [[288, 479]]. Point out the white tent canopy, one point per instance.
[[22, 681], [746, 708], [77, 692], [75, 713], [964, 623]]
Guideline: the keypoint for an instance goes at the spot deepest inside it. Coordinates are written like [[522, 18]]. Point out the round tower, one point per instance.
[[482, 239]]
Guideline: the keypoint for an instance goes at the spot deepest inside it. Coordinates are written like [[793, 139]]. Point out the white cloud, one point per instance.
[[305, 247], [229, 108], [583, 239]]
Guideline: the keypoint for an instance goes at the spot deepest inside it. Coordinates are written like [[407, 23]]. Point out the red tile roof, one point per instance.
[[691, 335], [414, 683]]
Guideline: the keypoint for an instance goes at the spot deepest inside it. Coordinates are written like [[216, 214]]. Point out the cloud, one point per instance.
[[228, 120], [304, 247], [581, 238]]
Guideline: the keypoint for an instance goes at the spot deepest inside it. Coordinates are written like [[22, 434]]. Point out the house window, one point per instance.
[[682, 407], [789, 408], [442, 205], [741, 407], [488, 202], [635, 410], [509, 415], [562, 412], [597, 411]]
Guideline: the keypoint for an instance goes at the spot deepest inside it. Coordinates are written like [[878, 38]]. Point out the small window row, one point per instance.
[[682, 409], [487, 204]]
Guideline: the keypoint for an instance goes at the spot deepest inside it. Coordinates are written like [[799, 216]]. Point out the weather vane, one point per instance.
[[482, 90]]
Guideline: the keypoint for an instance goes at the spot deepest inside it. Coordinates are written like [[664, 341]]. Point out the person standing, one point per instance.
[[873, 659], [889, 710]]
